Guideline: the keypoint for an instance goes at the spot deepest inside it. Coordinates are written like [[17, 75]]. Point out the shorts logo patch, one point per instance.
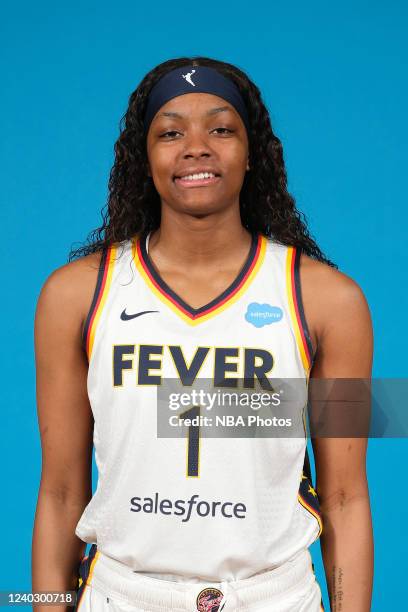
[[209, 600], [263, 314]]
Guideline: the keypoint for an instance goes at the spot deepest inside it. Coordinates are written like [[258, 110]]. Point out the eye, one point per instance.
[[224, 130], [170, 132]]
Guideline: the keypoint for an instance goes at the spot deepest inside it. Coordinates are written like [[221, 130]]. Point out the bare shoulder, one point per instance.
[[330, 298], [69, 289]]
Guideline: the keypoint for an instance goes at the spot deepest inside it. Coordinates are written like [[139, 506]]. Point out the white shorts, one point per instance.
[[106, 585]]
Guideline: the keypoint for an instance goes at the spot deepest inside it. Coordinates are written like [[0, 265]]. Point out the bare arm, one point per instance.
[[343, 330], [66, 427]]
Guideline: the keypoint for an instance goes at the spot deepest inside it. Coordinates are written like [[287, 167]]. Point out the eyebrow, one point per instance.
[[212, 111]]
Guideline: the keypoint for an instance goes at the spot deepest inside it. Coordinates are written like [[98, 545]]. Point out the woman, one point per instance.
[[204, 271]]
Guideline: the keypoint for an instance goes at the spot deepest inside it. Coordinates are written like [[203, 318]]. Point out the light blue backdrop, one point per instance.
[[333, 79]]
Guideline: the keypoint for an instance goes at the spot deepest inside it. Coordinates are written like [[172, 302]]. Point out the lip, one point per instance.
[[192, 170], [185, 183]]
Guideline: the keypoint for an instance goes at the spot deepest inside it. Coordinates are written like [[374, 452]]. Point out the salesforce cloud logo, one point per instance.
[[263, 314]]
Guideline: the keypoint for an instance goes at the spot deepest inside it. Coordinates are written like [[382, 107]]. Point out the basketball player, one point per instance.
[[202, 271]]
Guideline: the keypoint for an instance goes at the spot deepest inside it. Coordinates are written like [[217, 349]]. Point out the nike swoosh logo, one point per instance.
[[127, 317]]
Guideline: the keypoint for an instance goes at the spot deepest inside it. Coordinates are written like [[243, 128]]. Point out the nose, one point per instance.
[[196, 144]]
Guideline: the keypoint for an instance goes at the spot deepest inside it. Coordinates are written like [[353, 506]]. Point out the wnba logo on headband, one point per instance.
[[179, 81], [188, 77]]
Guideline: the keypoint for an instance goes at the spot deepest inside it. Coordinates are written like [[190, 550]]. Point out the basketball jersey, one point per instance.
[[195, 507]]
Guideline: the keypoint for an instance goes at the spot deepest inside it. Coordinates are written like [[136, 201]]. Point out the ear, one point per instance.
[[248, 168]]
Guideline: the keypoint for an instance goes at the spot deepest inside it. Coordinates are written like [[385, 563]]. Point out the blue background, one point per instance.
[[333, 80]]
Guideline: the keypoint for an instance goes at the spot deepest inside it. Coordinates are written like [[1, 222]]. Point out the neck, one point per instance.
[[191, 240]]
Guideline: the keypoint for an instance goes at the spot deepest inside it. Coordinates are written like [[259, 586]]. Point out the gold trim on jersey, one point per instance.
[[237, 289], [100, 297]]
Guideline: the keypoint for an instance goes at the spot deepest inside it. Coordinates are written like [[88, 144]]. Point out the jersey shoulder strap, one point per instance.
[[109, 266], [294, 296]]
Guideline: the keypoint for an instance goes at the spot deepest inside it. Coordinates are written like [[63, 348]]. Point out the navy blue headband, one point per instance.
[[193, 79]]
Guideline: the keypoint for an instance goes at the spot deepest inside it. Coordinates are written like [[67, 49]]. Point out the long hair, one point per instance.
[[133, 205]]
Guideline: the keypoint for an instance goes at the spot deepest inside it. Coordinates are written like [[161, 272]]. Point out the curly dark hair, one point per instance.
[[134, 205]]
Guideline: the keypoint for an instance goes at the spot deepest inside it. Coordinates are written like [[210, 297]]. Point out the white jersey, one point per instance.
[[191, 506]]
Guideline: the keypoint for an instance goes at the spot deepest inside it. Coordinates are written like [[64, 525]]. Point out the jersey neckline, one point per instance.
[[194, 315]]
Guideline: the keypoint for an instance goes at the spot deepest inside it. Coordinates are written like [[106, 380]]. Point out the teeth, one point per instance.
[[196, 177]]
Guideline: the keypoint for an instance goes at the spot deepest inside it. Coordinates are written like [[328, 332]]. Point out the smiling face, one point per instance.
[[192, 134]]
